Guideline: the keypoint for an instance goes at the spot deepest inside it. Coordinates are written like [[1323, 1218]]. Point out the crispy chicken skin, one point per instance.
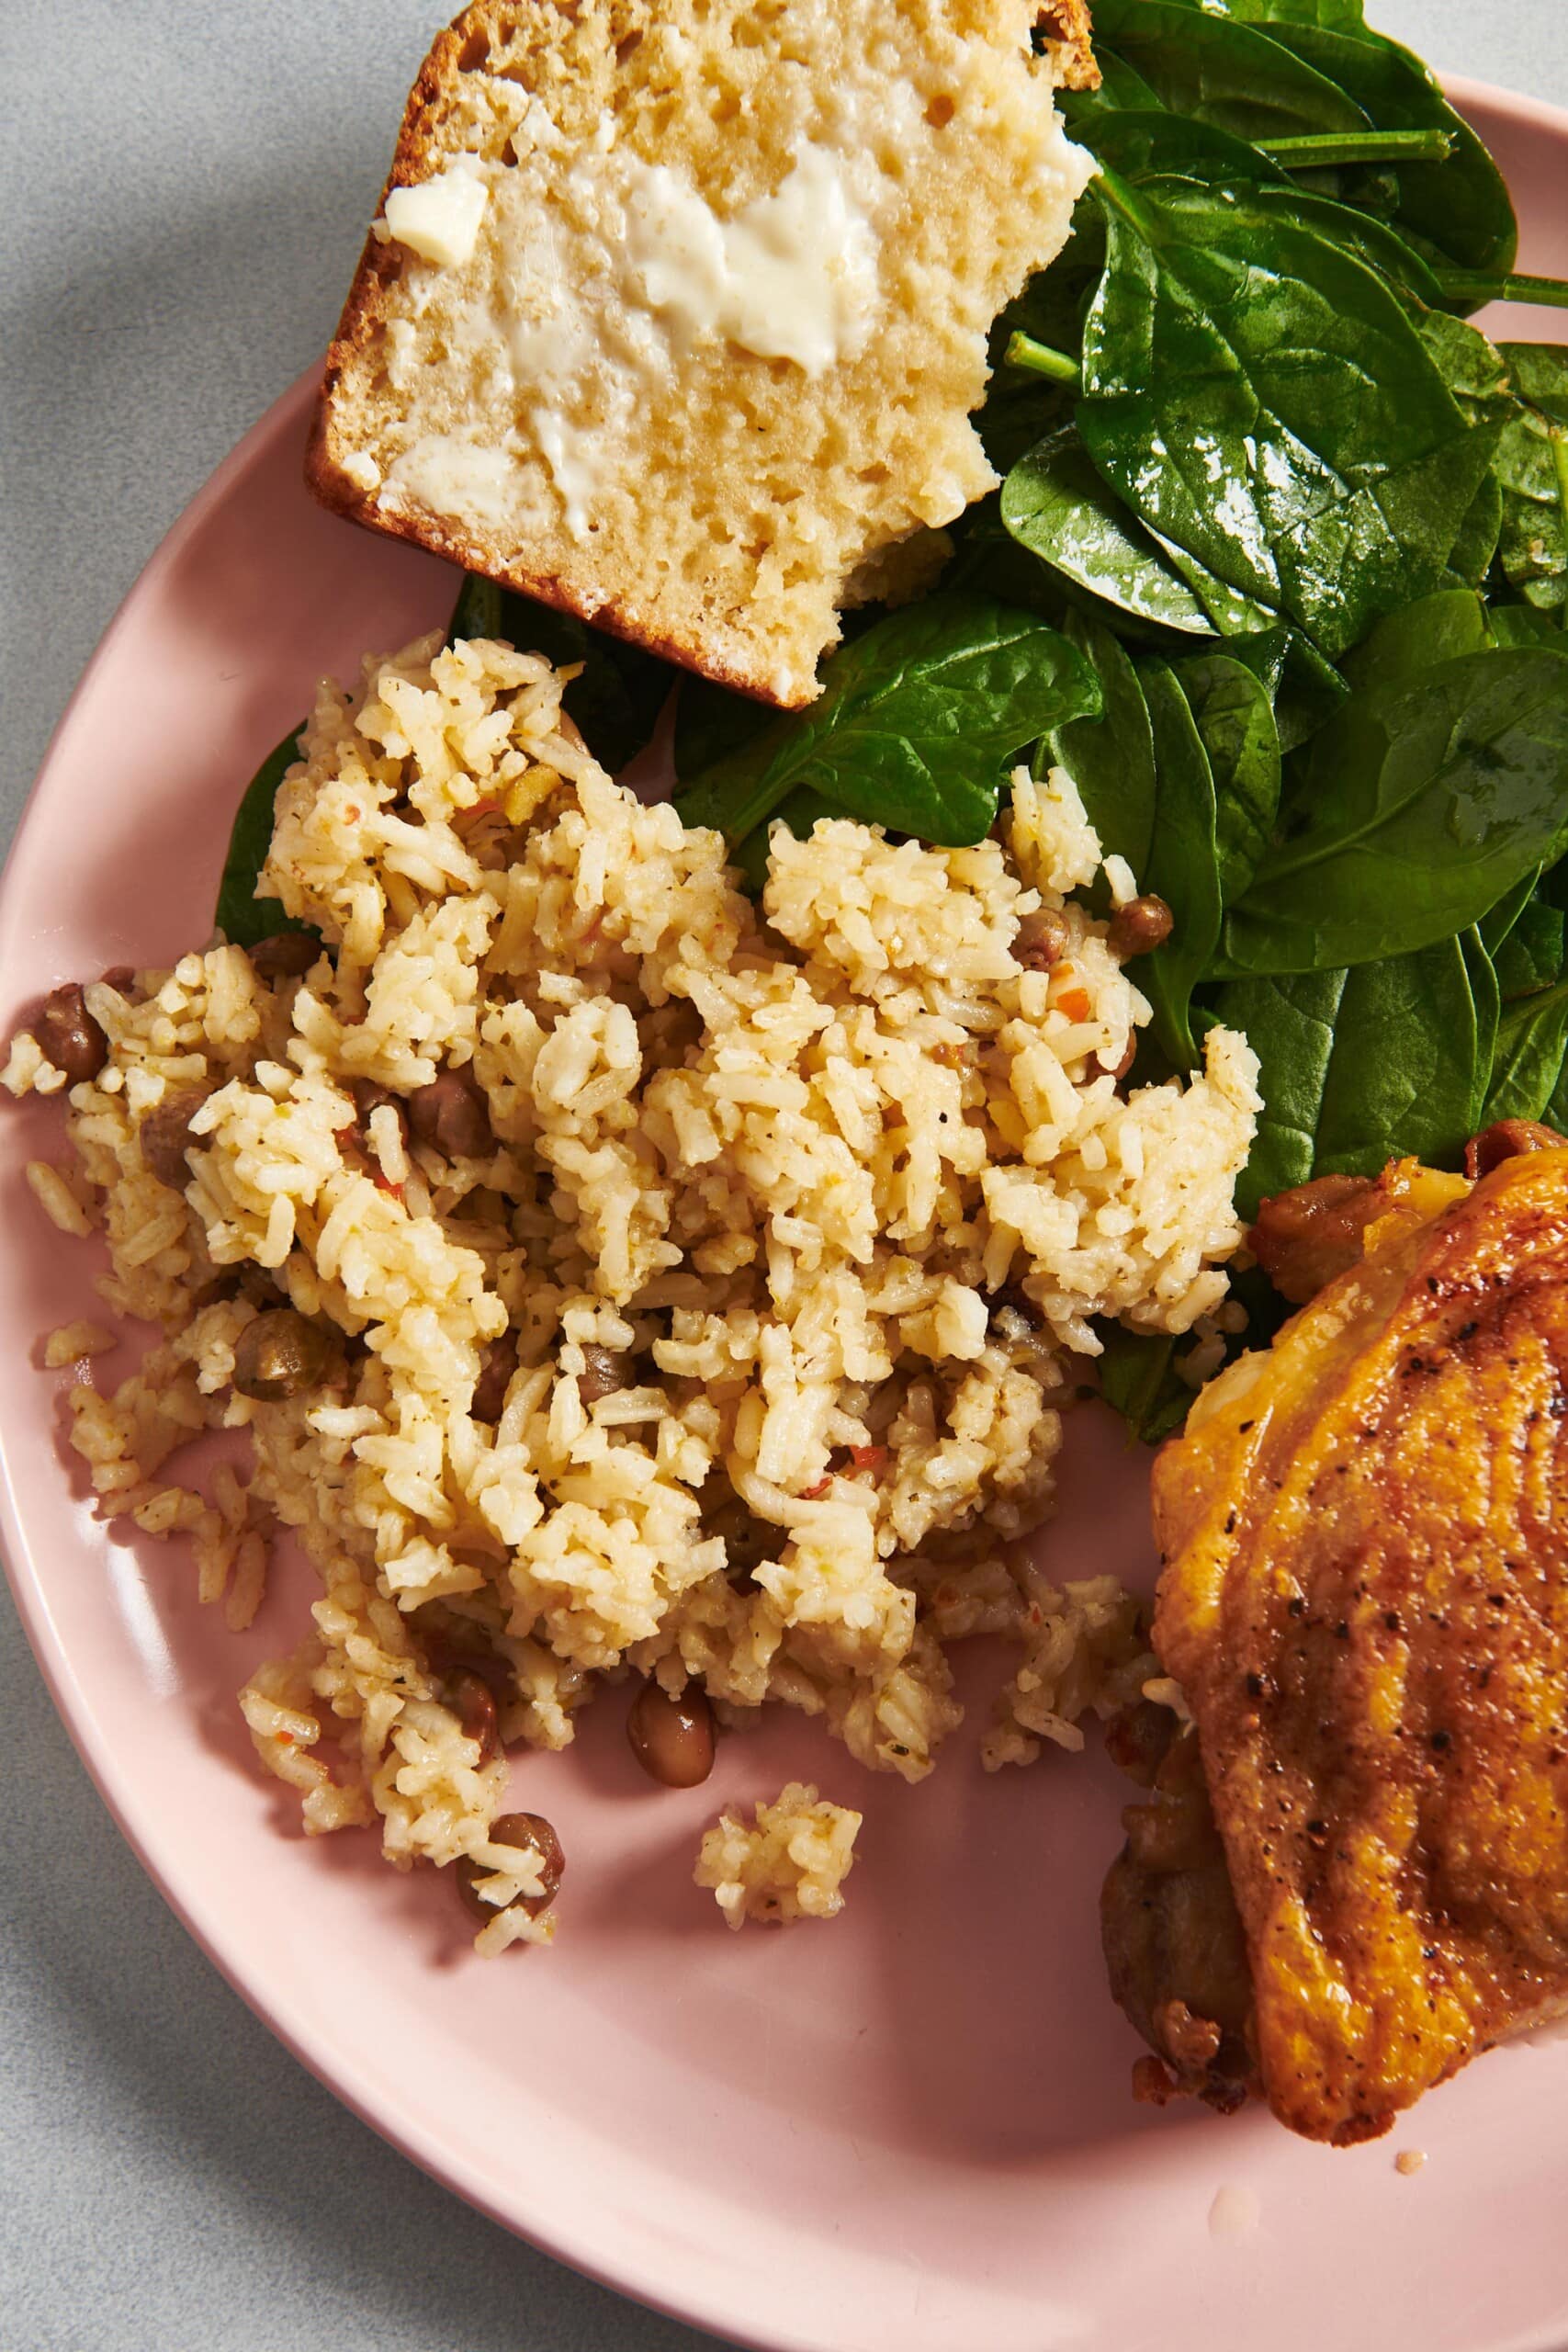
[[1365, 1600]]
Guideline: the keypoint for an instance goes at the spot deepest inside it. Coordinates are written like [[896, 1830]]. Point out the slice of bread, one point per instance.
[[677, 308]]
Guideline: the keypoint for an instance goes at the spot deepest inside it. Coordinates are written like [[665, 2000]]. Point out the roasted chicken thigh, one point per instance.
[[1364, 1600]]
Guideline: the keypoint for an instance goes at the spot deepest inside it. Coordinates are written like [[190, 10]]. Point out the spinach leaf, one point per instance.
[[1362, 1065], [1218, 70], [1310, 693], [1487, 998], [1530, 953], [614, 702], [1528, 624], [1435, 629], [913, 725], [1230, 610], [240, 916], [1532, 469], [1265, 653], [1182, 866], [1055, 503], [1460, 208], [1475, 375], [1234, 717], [1419, 806], [1304, 689], [1338, 16], [1470, 556], [1370, 240], [1111, 758], [1534, 954], [1119, 87], [1512, 929], [1155, 144], [1138, 1376], [1289, 1024], [1469, 364], [1226, 345], [1146, 148], [1531, 1038]]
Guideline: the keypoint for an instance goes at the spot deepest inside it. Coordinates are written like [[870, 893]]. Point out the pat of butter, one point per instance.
[[439, 219], [792, 276]]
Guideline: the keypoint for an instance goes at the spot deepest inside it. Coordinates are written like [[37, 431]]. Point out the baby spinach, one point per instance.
[[1532, 472], [1397, 262], [1529, 954], [1226, 345], [1435, 629], [1219, 70], [1304, 689], [1231, 611], [1119, 87], [1234, 717], [1055, 503], [913, 726], [240, 916], [1528, 624], [1152, 144], [1476, 377], [1361, 1066], [1182, 866], [1420, 804], [1111, 757], [1523, 936], [1531, 1038], [1340, 15], [1139, 1379], [1460, 209], [1471, 366]]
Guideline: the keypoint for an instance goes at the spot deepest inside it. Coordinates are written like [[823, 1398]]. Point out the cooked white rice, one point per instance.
[[840, 1180], [790, 1862]]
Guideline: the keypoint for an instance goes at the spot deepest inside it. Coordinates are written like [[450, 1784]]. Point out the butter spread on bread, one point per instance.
[[675, 316]]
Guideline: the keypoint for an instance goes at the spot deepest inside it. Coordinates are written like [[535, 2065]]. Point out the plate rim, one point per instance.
[[699, 2305]]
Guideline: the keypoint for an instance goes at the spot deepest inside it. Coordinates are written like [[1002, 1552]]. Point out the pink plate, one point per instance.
[[912, 2131]]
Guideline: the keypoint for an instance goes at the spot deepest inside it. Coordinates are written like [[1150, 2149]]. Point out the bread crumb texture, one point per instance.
[[675, 316]]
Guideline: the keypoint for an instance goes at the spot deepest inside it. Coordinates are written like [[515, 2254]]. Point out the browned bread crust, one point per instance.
[[1067, 31]]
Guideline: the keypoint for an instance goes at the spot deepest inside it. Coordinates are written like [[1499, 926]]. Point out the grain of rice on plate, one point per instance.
[[692, 1286]]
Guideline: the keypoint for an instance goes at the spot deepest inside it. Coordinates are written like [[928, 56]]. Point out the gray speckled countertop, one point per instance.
[[184, 191]]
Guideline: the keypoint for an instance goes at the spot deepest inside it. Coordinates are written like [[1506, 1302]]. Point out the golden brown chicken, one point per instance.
[[1365, 1602]]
